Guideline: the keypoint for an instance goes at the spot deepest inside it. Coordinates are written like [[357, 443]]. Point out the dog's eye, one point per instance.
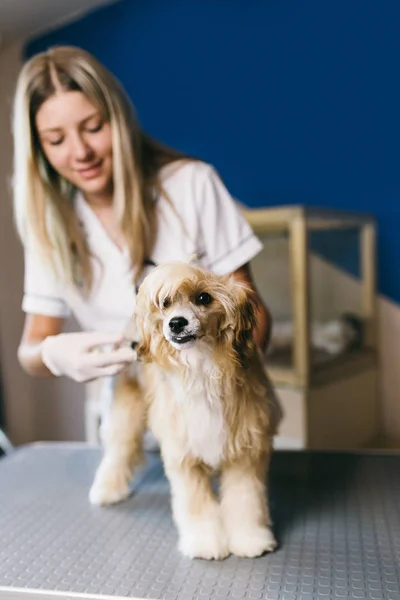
[[203, 299], [166, 302]]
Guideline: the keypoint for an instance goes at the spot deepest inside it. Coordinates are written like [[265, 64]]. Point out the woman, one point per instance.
[[97, 203]]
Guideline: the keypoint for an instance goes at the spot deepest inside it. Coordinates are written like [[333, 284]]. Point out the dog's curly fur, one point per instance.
[[202, 389]]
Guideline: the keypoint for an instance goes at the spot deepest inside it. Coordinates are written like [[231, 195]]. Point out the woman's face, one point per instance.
[[77, 143]]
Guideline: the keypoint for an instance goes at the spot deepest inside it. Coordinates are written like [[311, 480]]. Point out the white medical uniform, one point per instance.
[[210, 226]]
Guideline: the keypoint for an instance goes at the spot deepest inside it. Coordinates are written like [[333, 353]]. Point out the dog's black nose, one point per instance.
[[177, 324]]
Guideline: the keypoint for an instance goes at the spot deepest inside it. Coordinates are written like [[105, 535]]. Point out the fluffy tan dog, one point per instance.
[[201, 388]]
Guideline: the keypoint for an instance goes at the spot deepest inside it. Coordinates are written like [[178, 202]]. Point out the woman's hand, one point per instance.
[[80, 356]]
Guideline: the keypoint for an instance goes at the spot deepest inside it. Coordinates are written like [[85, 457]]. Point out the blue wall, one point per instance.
[[293, 101]]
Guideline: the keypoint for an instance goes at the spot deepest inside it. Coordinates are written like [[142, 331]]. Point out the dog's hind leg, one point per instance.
[[122, 435], [244, 508], [196, 512]]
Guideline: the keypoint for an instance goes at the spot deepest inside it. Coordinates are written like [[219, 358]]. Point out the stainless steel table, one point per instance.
[[336, 516]]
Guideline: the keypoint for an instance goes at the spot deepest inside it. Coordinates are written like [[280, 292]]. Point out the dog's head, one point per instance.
[[179, 306]]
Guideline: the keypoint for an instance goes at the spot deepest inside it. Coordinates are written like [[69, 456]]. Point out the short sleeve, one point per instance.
[[227, 240], [42, 292]]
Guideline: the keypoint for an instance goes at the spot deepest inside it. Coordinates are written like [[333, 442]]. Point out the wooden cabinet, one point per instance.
[[317, 274]]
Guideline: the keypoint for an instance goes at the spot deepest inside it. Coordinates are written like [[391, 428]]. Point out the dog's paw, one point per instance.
[[110, 485], [206, 539], [251, 542]]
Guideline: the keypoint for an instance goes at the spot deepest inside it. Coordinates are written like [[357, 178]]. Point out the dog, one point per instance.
[[200, 386]]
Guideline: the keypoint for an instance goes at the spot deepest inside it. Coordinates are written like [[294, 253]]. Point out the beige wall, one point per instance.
[[53, 409], [19, 415]]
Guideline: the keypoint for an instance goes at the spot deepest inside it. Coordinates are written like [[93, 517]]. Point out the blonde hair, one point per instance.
[[43, 200]]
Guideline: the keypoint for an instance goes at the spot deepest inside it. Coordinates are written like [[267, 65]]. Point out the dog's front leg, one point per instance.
[[245, 509], [196, 512], [122, 435]]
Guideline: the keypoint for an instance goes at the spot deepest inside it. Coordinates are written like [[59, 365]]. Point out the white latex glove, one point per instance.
[[80, 357]]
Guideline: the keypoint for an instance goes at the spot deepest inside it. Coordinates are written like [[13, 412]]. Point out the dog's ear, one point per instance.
[[141, 338], [242, 318], [137, 325], [143, 351]]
